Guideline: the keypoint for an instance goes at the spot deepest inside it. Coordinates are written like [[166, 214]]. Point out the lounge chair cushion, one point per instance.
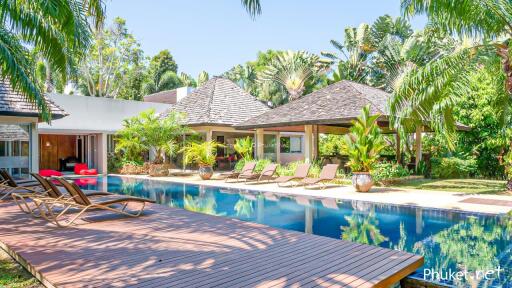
[[49, 173], [89, 172], [79, 167]]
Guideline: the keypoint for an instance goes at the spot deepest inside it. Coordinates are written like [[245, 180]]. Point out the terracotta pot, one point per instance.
[[206, 172], [362, 181]]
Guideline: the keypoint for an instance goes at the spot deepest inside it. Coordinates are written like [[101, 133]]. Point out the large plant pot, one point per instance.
[[205, 172], [159, 170], [362, 181]]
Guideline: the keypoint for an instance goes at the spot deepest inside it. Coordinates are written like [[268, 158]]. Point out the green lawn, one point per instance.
[[478, 186], [12, 275]]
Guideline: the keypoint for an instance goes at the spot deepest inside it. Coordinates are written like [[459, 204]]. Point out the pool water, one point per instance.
[[449, 240]]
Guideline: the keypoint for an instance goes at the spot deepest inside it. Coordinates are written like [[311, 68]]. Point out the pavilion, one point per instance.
[[329, 110]]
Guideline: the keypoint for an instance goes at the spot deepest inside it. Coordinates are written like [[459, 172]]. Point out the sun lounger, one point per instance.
[[300, 173], [79, 200], [10, 185], [51, 192], [327, 174], [5, 176], [248, 169], [267, 174]]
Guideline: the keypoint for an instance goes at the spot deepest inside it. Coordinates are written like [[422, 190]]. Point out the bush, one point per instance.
[[387, 170], [289, 169], [453, 167], [260, 164]]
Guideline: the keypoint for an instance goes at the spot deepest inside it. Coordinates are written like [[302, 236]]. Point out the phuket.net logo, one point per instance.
[[450, 275]]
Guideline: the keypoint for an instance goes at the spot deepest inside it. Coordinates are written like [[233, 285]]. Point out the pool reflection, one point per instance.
[[447, 239]]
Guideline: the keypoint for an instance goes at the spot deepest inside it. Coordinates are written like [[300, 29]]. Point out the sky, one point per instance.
[[215, 35]]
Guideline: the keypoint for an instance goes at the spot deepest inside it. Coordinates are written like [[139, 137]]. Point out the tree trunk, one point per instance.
[[48, 83], [503, 51]]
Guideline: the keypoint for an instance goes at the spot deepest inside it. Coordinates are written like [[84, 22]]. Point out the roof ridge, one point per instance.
[[210, 99], [366, 96]]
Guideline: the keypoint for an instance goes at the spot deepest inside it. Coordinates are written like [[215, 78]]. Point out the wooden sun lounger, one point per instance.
[[10, 185], [267, 174], [300, 173], [79, 200], [327, 174], [248, 169], [51, 192]]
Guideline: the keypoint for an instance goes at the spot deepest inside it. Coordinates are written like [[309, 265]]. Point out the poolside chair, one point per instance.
[[327, 174], [300, 173], [247, 170], [8, 177], [10, 185], [267, 174], [79, 200], [51, 192]]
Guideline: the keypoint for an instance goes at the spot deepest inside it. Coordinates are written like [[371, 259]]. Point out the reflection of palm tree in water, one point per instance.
[[469, 246], [201, 204], [243, 208], [362, 228]]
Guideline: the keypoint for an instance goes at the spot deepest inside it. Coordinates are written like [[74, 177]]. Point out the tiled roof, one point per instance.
[[337, 103], [219, 102], [13, 103], [13, 133], [168, 97]]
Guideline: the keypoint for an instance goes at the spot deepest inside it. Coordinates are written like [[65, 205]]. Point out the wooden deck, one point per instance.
[[176, 248]]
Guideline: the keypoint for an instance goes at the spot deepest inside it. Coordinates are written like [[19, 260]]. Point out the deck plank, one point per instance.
[[171, 247]]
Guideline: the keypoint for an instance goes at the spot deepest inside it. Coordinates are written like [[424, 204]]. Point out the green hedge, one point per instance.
[[387, 170], [453, 167]]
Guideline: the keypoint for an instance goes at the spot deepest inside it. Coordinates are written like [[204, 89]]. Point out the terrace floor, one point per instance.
[[170, 247], [397, 195]]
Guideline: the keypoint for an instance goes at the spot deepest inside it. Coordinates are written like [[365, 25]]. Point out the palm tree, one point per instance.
[[355, 54], [293, 70], [167, 81], [431, 91], [59, 32], [202, 78]]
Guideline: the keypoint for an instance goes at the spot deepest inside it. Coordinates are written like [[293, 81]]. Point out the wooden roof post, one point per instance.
[[398, 150], [419, 130], [278, 147], [308, 143], [260, 144], [315, 143]]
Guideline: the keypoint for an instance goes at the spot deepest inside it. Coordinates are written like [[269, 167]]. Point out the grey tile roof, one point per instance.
[[219, 101], [13, 103], [168, 97], [337, 103], [13, 133]]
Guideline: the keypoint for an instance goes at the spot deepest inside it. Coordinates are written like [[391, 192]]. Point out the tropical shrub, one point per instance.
[[330, 144], [261, 164], [289, 169], [453, 167], [148, 130], [364, 142], [244, 147], [200, 153], [387, 170]]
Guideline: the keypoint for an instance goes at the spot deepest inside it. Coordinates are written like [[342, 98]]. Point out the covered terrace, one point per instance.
[[329, 110]]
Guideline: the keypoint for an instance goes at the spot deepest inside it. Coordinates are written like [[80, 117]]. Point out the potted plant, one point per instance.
[[203, 154], [363, 145]]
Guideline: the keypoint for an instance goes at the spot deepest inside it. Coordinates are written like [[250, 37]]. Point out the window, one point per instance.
[[291, 144]]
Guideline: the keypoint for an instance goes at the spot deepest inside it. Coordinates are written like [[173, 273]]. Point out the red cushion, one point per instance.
[[89, 172], [86, 181], [49, 173], [79, 167]]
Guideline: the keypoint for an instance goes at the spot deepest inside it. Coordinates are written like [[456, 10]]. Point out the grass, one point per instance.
[[470, 186], [13, 275]]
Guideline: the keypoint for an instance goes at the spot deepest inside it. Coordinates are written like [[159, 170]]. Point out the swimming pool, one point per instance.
[[450, 241]]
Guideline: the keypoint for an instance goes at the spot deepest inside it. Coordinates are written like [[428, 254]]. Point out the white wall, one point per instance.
[[94, 114]]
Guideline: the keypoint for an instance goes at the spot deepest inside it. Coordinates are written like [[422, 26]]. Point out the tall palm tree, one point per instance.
[[431, 91], [58, 30], [292, 69]]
